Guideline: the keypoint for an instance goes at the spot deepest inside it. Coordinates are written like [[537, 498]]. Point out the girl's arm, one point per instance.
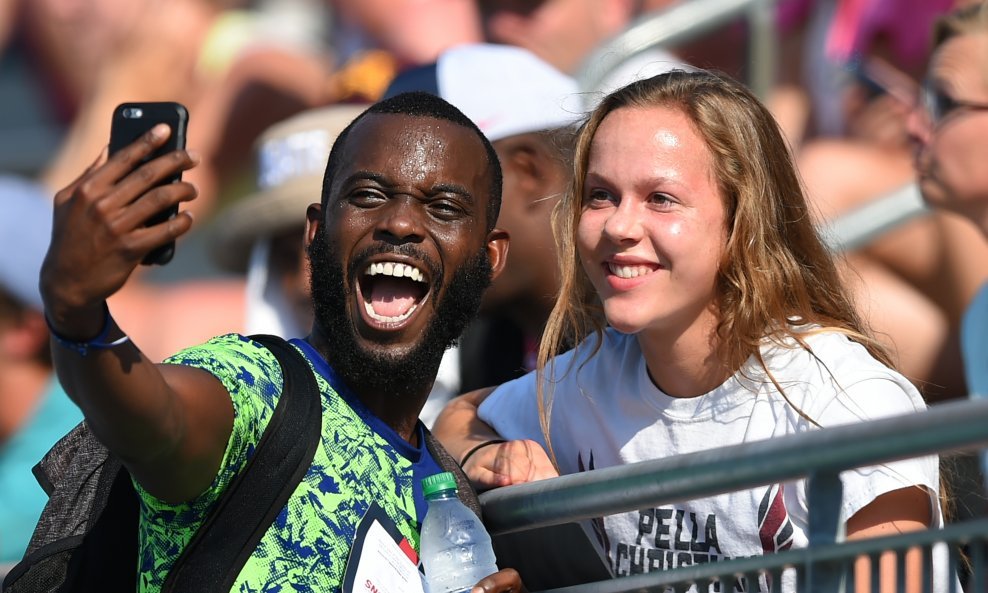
[[491, 461], [899, 511]]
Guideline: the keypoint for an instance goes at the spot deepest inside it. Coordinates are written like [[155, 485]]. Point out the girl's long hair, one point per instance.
[[776, 274]]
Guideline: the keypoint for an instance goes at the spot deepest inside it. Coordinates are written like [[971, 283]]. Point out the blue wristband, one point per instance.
[[97, 343]]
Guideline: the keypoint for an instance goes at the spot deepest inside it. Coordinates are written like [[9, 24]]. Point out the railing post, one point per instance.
[[684, 21], [824, 494], [762, 48], [983, 453]]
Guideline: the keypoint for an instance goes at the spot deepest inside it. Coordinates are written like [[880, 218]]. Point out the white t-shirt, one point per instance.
[[606, 411]]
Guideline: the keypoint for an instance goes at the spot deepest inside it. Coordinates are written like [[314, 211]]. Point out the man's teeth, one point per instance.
[[374, 315], [397, 270], [628, 271]]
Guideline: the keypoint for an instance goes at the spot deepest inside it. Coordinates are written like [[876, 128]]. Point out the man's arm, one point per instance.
[[493, 462], [169, 424], [459, 429]]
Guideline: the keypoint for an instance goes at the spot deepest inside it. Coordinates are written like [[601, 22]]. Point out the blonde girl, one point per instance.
[[706, 312]]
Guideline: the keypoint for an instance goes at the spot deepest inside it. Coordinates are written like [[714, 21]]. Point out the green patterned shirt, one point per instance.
[[358, 461]]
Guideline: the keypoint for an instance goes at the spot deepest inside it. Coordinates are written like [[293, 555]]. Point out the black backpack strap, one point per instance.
[[226, 539], [86, 537], [464, 490]]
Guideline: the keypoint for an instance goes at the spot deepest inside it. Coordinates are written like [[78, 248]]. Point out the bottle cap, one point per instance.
[[437, 483]]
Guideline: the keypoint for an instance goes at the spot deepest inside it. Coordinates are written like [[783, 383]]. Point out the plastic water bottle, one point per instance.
[[455, 548]]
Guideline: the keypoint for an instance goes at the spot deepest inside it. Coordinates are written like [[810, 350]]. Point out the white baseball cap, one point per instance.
[[505, 90]]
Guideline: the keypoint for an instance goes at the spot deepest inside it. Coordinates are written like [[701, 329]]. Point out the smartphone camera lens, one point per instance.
[[133, 113]]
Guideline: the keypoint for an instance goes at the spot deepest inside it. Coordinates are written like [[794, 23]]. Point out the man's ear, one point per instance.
[[526, 162], [313, 220], [497, 251], [536, 169]]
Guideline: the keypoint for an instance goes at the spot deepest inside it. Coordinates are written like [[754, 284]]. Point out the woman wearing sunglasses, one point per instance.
[[951, 130]]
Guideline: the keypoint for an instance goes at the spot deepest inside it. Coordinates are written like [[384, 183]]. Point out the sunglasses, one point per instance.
[[939, 105]]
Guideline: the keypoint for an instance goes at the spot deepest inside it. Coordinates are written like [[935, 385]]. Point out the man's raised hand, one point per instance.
[[98, 233]]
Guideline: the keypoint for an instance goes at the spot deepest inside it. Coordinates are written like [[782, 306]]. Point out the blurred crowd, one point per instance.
[[268, 85]]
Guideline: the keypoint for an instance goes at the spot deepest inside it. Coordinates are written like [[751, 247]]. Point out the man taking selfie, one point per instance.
[[401, 247]]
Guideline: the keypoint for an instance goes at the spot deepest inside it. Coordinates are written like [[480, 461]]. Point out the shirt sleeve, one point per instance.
[[871, 396], [512, 410], [253, 378]]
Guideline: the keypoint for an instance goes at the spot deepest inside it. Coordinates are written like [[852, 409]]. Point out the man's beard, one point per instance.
[[415, 371]]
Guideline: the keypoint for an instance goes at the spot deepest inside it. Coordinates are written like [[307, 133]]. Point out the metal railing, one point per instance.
[[818, 455], [861, 226], [686, 21]]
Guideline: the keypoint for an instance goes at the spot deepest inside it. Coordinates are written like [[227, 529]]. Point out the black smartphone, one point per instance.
[[130, 121]]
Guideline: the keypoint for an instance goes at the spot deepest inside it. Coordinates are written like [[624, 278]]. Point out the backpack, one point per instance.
[[86, 538]]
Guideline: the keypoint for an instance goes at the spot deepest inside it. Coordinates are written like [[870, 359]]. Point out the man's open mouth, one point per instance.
[[392, 291]]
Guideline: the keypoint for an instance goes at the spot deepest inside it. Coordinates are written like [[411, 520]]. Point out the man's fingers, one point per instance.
[[100, 160], [137, 151], [142, 241], [153, 173], [157, 200], [63, 196], [99, 179], [131, 156], [503, 581]]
